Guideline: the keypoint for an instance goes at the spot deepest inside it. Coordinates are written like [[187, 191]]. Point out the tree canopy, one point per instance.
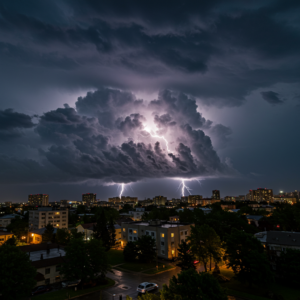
[[185, 257], [17, 275]]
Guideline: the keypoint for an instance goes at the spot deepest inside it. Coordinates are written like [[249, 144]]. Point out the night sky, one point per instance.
[[97, 94]]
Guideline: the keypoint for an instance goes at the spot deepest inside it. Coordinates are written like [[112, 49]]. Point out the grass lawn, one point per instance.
[[62, 294], [139, 267], [160, 269], [238, 289], [115, 257]]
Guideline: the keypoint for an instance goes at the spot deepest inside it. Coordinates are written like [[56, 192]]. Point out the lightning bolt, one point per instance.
[[122, 189], [183, 186], [157, 136]]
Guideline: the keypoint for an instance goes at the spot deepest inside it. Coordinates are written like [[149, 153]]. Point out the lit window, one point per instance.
[[172, 234], [134, 231], [173, 252], [123, 229], [162, 235]]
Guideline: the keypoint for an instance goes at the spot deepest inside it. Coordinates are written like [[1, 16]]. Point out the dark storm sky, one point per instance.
[[88, 89]]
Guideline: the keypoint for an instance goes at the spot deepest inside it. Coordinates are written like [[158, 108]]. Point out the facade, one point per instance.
[[285, 199], [228, 206], [114, 200], [69, 203], [36, 235], [4, 236], [89, 199], [168, 235], [138, 213], [6, 219], [129, 199], [159, 200], [47, 259], [38, 200], [174, 219], [216, 194], [193, 199], [261, 195], [45, 215]]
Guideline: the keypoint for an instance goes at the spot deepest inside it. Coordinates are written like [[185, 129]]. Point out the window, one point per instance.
[[130, 238], [162, 243], [162, 235], [181, 232], [124, 229], [134, 231], [185, 232], [58, 268], [57, 278], [172, 244], [63, 213], [134, 238], [130, 230], [147, 232], [47, 271], [173, 252], [162, 251], [172, 234]]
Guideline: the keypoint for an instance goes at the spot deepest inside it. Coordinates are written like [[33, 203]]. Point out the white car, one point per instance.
[[147, 287]]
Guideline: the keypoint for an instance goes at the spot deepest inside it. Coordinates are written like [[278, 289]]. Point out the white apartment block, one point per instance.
[[168, 236], [45, 215]]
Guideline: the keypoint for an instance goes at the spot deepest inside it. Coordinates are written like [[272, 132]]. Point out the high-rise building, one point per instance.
[[192, 199], [216, 194], [89, 198], [159, 200], [261, 194], [38, 200], [129, 199], [114, 200]]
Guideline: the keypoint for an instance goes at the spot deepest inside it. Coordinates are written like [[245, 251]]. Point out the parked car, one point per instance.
[[147, 287], [41, 289], [70, 283]]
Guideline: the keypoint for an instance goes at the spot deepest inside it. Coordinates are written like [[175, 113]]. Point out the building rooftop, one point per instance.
[[5, 233], [11, 216], [285, 238]]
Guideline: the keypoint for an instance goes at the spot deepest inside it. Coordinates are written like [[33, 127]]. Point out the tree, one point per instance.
[[12, 241], [247, 258], [130, 252], [18, 227], [101, 231], [17, 275], [62, 236], [76, 235], [193, 285], [185, 257], [48, 235], [289, 266], [149, 296], [85, 260], [146, 248], [112, 233], [205, 244]]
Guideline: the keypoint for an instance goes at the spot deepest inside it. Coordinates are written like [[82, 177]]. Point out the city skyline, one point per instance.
[[98, 95]]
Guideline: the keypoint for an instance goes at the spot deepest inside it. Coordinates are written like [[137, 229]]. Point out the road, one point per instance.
[[126, 284]]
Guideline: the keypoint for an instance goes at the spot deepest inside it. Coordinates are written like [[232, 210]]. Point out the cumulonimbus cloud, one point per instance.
[[113, 137]]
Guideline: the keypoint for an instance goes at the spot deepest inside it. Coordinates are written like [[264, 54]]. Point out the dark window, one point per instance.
[[130, 230], [152, 233], [58, 268], [47, 281], [47, 271], [162, 243], [134, 238]]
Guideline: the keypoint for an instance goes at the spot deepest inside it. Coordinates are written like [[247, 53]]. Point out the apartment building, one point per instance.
[[4, 236], [38, 200], [138, 213], [168, 235], [46, 215], [6, 219], [47, 259], [159, 200]]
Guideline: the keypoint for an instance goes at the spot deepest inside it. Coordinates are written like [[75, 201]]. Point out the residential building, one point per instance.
[[253, 218], [129, 199], [167, 235], [89, 199], [88, 230], [8, 203], [46, 215], [146, 202], [261, 194], [174, 219], [228, 206], [192, 199], [47, 259], [38, 200], [291, 199], [267, 208], [277, 242], [35, 236], [216, 194], [114, 200], [159, 200], [229, 198], [6, 219], [4, 236], [138, 213], [70, 203]]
